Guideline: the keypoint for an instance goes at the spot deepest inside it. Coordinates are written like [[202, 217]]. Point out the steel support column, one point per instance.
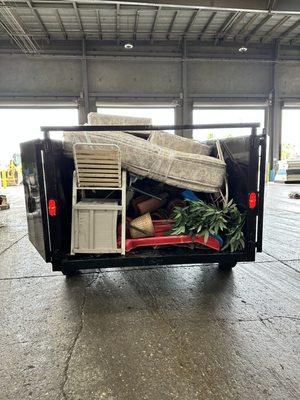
[[275, 116], [81, 112], [184, 113], [84, 105]]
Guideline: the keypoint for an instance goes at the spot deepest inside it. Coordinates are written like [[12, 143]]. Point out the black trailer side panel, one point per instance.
[[261, 193], [58, 182], [35, 197]]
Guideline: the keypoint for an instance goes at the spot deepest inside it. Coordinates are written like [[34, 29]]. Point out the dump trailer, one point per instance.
[[48, 184]]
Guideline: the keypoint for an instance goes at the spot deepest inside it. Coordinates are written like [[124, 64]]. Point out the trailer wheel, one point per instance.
[[69, 272], [227, 266]]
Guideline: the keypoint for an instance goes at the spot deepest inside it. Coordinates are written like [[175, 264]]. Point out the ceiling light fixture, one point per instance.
[[128, 46], [243, 49]]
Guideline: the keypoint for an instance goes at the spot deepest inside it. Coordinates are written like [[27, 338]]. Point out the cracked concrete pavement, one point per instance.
[[184, 333]]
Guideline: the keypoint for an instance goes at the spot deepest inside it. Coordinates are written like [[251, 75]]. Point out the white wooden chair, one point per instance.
[[97, 167]]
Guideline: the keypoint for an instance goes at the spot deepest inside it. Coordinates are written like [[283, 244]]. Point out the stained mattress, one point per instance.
[[178, 143], [161, 138], [108, 119], [197, 172]]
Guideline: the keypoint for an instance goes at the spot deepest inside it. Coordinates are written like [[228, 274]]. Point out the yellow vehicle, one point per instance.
[[12, 175]]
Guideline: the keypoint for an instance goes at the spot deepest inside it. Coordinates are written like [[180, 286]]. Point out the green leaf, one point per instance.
[[206, 236], [199, 217]]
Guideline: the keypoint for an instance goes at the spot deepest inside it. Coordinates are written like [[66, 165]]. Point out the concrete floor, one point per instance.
[[170, 333]]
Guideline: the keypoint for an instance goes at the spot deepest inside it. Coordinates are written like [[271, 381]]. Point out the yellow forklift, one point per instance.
[[12, 175]]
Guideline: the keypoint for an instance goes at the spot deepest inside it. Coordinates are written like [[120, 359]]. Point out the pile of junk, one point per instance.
[[134, 190]]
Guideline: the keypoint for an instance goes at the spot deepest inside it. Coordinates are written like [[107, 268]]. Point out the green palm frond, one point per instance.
[[204, 219]]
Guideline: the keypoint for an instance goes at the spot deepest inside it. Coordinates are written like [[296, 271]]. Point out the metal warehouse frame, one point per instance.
[[25, 21], [187, 50]]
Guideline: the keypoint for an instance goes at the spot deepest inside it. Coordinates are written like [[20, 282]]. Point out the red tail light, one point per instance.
[[52, 208], [252, 200]]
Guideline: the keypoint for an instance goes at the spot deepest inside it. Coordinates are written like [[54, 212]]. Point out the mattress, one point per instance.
[[108, 119], [293, 170], [197, 172], [160, 138], [178, 143]]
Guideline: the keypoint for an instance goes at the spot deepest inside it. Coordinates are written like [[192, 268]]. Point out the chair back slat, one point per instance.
[[97, 165]]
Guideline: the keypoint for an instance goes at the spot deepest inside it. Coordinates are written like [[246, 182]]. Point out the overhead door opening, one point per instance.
[[223, 116], [20, 125], [290, 140]]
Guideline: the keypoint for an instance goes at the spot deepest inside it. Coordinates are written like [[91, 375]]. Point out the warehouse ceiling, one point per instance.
[[28, 22]]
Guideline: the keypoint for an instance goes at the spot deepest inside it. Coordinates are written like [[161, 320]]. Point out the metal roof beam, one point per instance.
[[118, 22], [271, 4], [18, 19], [22, 39], [206, 26], [191, 21], [136, 23], [172, 24], [60, 23], [234, 24], [98, 17], [258, 26], [38, 18], [79, 21], [13, 37], [247, 24], [283, 6], [154, 22], [289, 30], [226, 25], [258, 6], [274, 28]]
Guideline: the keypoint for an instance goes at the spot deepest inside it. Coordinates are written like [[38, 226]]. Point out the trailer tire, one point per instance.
[[227, 266], [69, 272]]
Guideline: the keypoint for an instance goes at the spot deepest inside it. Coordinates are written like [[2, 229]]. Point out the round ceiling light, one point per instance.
[[243, 49], [128, 46]]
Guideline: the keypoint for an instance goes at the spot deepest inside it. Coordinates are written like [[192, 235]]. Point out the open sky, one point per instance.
[[18, 125]]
